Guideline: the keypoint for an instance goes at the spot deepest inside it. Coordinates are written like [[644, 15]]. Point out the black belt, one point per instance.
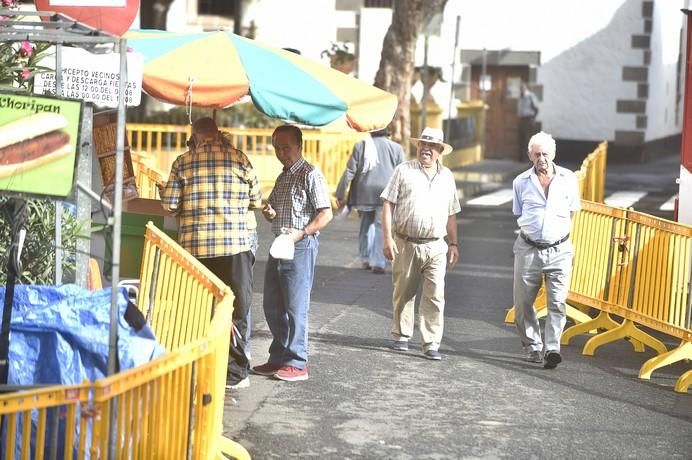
[[538, 245], [415, 240]]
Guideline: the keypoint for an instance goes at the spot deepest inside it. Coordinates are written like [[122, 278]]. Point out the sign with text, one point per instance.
[[38, 144], [94, 77]]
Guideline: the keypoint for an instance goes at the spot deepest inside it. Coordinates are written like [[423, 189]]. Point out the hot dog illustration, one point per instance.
[[32, 141]]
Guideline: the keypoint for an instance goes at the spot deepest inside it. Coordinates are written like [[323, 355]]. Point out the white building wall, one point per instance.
[[374, 23], [583, 47], [307, 25], [663, 117]]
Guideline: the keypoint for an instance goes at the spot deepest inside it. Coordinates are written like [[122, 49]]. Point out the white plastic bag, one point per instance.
[[282, 247]]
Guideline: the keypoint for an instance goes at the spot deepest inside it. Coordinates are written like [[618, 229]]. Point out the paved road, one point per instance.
[[482, 400]]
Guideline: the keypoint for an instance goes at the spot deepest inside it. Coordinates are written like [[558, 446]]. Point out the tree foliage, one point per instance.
[[38, 254], [398, 58]]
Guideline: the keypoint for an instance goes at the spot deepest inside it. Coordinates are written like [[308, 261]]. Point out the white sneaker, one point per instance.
[[245, 383]]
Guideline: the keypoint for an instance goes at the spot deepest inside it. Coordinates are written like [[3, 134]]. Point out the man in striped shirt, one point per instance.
[[299, 205], [210, 190], [420, 208]]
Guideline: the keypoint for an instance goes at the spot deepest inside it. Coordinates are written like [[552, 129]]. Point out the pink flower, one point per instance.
[[25, 49], [7, 3], [26, 73]]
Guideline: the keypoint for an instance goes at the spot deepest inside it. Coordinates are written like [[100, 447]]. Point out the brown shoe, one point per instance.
[[378, 270], [266, 369]]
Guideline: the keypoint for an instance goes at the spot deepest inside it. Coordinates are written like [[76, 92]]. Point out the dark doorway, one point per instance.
[[502, 124]]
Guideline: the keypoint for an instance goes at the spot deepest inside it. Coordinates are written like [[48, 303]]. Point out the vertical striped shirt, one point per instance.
[[299, 192], [210, 190]]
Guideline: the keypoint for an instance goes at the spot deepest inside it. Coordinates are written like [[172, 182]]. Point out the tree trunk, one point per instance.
[[152, 15], [399, 58]]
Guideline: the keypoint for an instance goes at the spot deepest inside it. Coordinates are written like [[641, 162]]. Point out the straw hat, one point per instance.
[[434, 136]]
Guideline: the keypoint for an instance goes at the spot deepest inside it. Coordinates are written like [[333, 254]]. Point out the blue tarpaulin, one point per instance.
[[59, 335]]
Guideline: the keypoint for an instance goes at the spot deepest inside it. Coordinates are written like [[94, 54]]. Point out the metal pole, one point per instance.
[[685, 179], [117, 224], [117, 210], [483, 70], [424, 76], [58, 203], [451, 85]]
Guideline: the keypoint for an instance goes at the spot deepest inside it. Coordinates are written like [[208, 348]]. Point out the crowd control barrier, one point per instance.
[[170, 408], [639, 268], [591, 174], [160, 145], [147, 178]]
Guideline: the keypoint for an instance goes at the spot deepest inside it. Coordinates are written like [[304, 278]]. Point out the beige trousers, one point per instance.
[[415, 262]]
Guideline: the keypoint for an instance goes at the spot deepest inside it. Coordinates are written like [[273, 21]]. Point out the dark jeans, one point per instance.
[[236, 271], [527, 128]]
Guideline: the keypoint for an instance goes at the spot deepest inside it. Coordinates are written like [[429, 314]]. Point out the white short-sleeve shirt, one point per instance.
[[422, 205], [544, 219]]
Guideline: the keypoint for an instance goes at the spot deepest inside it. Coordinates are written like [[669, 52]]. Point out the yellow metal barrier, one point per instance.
[[52, 407], [171, 282], [169, 408], [598, 236], [147, 178], [637, 267], [647, 282], [591, 174], [160, 145]]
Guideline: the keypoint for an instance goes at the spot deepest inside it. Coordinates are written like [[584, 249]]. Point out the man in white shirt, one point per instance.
[[545, 198], [419, 210]]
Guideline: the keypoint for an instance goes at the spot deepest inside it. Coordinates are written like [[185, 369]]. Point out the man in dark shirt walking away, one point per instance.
[[368, 170]]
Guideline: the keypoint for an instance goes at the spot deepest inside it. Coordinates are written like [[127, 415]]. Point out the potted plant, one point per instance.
[[340, 57], [428, 77], [19, 60]]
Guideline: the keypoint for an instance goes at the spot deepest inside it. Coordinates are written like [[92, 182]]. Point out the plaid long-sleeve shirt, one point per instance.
[[210, 190]]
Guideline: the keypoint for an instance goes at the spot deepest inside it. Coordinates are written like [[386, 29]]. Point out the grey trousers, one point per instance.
[[531, 266]]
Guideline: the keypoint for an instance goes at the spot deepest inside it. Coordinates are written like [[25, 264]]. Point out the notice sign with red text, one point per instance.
[[38, 144], [94, 77]]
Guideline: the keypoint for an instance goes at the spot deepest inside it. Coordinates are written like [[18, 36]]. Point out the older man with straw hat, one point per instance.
[[420, 238]]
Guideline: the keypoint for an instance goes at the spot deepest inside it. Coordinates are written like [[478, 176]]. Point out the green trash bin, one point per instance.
[[133, 227]]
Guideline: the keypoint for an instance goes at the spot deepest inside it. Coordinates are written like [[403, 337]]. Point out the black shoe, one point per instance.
[[534, 356], [551, 360], [433, 355], [399, 345]]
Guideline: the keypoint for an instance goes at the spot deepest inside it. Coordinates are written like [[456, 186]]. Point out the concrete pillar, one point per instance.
[[476, 109], [433, 116]]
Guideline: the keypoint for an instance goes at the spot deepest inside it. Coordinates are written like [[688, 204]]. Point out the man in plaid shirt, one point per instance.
[[298, 205], [210, 190]]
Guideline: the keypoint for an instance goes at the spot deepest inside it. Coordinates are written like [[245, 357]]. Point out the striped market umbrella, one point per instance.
[[217, 69]]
